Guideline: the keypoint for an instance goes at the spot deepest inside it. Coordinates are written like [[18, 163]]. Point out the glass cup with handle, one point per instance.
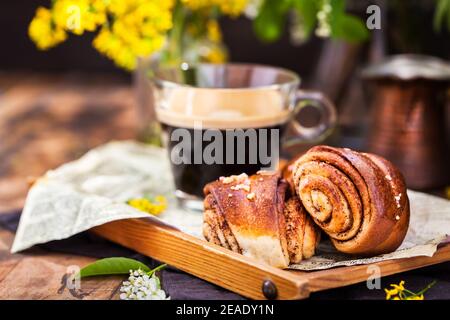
[[228, 119]]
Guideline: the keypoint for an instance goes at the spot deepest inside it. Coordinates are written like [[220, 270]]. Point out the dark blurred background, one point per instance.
[[407, 28], [327, 65]]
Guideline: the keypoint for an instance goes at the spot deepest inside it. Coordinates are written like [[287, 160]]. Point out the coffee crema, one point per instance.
[[221, 108]]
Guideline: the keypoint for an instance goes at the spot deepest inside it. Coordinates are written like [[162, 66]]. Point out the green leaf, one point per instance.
[[110, 266], [349, 28], [442, 10], [271, 20], [346, 26], [158, 283], [307, 9], [448, 16], [338, 7]]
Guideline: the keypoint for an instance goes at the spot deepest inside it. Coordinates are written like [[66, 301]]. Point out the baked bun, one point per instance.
[[358, 199], [257, 217]]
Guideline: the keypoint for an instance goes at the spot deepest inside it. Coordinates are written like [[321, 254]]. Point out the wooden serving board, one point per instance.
[[240, 274]]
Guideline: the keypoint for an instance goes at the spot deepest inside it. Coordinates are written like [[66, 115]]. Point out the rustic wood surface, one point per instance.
[[44, 122]]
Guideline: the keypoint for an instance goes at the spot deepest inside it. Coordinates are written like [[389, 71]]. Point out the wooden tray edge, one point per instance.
[[238, 273], [207, 261], [326, 279]]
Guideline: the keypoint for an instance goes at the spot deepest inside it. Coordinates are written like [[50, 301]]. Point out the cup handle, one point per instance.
[[316, 99]]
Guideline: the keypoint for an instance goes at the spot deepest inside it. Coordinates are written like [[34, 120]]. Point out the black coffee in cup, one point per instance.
[[244, 150]]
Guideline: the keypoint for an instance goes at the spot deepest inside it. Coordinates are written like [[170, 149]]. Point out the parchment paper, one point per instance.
[[93, 190]]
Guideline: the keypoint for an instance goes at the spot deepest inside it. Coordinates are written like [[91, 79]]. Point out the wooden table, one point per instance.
[[44, 122]]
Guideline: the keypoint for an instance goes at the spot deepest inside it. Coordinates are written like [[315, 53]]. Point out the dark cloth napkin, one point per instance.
[[181, 286]]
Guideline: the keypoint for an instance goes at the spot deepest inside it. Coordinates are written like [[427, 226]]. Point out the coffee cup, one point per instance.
[[227, 119]]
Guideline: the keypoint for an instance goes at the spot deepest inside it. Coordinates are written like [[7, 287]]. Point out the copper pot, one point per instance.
[[408, 102]]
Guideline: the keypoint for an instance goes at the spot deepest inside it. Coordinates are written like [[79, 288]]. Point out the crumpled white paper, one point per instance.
[[93, 190]]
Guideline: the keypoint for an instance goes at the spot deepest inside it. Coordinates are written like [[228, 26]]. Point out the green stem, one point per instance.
[[414, 294], [402, 295], [175, 48], [151, 272], [426, 288]]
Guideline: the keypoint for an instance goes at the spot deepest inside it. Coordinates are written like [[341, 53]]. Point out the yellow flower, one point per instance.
[[138, 29], [400, 287], [416, 297], [197, 4], [228, 7], [213, 31], [155, 207], [390, 293], [78, 16], [447, 192], [43, 31], [397, 289], [399, 292], [113, 47], [232, 7], [120, 7], [216, 54]]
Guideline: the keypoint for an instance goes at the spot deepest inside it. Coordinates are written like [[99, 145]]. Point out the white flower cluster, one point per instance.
[[141, 286], [324, 29]]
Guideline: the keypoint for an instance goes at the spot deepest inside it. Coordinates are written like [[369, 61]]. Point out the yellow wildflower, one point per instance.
[[129, 29], [78, 16], [213, 31], [138, 29], [390, 293], [228, 7], [395, 291], [399, 292], [120, 7], [215, 54], [197, 4], [399, 287], [447, 192], [153, 206], [43, 31], [114, 48], [232, 7], [418, 297]]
